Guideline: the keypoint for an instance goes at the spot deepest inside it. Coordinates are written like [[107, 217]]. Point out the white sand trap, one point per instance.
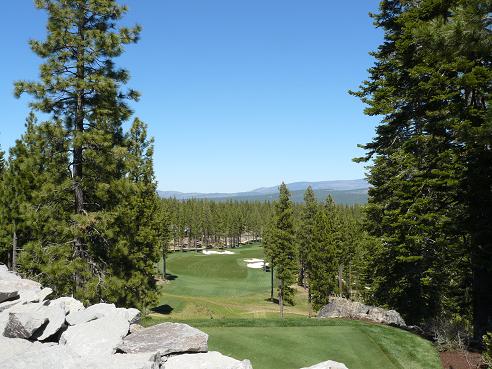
[[212, 252], [258, 265], [253, 260]]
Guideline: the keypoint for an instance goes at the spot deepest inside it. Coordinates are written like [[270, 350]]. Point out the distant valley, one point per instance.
[[343, 192]]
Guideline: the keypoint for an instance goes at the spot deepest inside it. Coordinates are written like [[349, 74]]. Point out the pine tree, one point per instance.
[[107, 238], [281, 248], [430, 199], [322, 258], [306, 236]]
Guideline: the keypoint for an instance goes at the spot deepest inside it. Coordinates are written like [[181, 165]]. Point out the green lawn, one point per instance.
[[219, 295], [220, 286]]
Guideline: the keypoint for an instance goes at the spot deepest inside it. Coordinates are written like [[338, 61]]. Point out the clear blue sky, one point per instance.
[[238, 94]]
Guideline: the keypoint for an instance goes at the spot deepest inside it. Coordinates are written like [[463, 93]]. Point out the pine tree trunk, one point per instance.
[[77, 171], [340, 279], [281, 297], [14, 250], [164, 272], [271, 282]]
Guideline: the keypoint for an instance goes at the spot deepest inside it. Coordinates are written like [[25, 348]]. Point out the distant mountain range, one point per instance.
[[343, 192]]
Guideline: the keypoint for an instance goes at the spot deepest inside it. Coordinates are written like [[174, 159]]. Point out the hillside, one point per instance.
[[343, 192]]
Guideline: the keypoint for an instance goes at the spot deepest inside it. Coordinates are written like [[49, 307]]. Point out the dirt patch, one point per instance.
[[461, 360]]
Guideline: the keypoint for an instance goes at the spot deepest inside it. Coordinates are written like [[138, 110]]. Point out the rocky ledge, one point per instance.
[[343, 308]]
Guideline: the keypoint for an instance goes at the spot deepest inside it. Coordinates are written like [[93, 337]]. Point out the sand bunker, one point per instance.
[[253, 260], [212, 252], [256, 263]]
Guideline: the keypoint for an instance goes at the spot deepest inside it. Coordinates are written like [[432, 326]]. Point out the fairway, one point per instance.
[[220, 286], [221, 296]]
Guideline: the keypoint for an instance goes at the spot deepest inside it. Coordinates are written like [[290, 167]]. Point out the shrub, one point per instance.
[[487, 353]]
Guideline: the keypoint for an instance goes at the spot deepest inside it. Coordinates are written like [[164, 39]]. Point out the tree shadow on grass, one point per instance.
[[163, 309]]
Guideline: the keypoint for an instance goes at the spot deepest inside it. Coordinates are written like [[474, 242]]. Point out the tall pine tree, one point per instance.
[[281, 248], [110, 239], [430, 199]]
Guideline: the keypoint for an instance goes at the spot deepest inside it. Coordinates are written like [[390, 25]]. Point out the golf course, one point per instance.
[[221, 296]]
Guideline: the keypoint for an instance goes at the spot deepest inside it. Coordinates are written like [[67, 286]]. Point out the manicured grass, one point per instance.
[[220, 286], [298, 342], [221, 296]]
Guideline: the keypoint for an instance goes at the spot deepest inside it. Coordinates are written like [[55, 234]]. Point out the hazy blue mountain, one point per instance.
[[342, 191]]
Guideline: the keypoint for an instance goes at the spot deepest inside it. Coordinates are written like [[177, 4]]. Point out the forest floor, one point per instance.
[[221, 296]]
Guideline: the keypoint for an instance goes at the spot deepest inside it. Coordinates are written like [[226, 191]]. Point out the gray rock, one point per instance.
[[97, 337], [209, 360], [91, 313], [6, 275], [343, 308], [167, 338], [132, 315], [10, 347], [29, 291], [56, 320], [22, 354], [123, 361], [25, 320], [135, 328], [4, 319], [68, 304], [328, 365], [7, 291], [42, 356]]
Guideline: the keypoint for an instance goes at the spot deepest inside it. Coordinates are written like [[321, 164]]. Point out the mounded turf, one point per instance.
[[221, 296]]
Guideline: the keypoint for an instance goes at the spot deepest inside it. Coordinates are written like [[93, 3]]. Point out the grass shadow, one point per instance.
[[163, 309], [171, 277]]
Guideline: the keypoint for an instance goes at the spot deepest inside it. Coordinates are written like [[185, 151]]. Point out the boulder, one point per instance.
[[208, 360], [56, 320], [97, 337], [43, 357], [123, 361], [7, 292], [25, 320], [167, 338], [68, 304], [27, 293], [135, 328], [343, 308], [6, 275], [10, 347], [91, 313], [390, 317], [132, 315], [22, 354], [328, 365]]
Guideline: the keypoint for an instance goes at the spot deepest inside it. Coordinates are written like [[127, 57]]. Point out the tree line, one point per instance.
[[430, 201], [321, 247], [207, 223]]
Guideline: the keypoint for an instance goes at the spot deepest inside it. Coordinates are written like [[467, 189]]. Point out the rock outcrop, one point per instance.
[[209, 360], [343, 308], [167, 338], [63, 334], [328, 365]]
